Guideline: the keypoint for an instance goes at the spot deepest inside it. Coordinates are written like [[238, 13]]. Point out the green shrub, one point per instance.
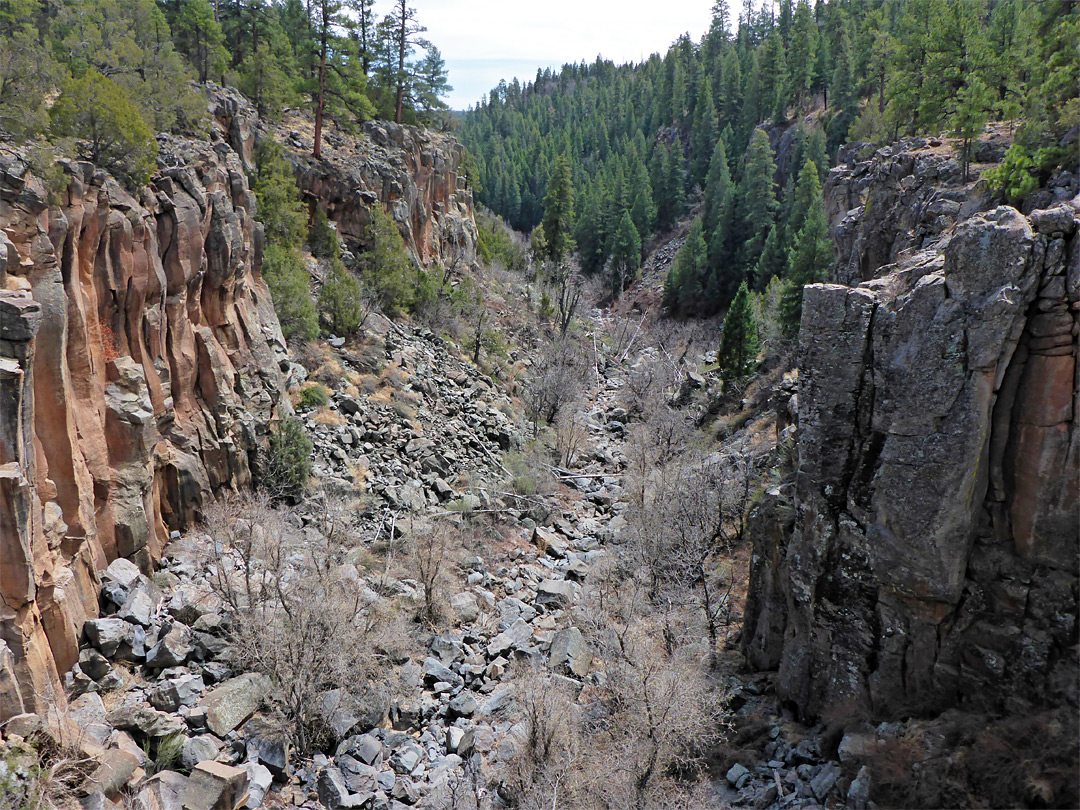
[[285, 275], [495, 243], [387, 267], [314, 397], [279, 207], [163, 754], [1016, 177], [343, 301], [322, 238], [288, 461], [111, 132]]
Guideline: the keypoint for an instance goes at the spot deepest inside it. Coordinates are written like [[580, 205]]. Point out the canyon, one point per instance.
[[141, 362]]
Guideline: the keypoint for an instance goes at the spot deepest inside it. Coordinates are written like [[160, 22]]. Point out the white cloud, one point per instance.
[[487, 40]]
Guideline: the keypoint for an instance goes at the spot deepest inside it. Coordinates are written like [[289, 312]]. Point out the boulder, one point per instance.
[[215, 786], [106, 634], [555, 593], [113, 772], [570, 653], [234, 701], [172, 649], [199, 749]]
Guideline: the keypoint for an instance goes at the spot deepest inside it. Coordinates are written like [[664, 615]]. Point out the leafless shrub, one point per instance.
[[570, 434], [555, 380], [298, 614], [41, 774], [433, 548], [545, 773], [680, 528]]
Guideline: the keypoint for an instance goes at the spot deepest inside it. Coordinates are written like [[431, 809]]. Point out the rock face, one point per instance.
[[139, 363], [933, 559], [417, 175]]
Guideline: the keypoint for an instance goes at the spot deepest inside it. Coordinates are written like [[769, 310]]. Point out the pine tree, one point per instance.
[[684, 286], [756, 200], [817, 153], [809, 263], [642, 206], [803, 55], [807, 194], [625, 254], [200, 37], [283, 216], [705, 131], [738, 350], [717, 188], [559, 212], [731, 87], [671, 192], [773, 261], [844, 98]]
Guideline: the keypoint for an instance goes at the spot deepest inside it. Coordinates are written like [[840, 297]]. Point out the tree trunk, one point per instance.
[[401, 61], [317, 152]]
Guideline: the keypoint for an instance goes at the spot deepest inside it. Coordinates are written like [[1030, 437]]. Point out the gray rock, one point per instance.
[[267, 744], [554, 593], [140, 606], [259, 781], [465, 607], [164, 697], [93, 664], [825, 781], [198, 749], [858, 796], [434, 670], [172, 649], [106, 634], [737, 776], [233, 702], [123, 572], [464, 705], [570, 653]]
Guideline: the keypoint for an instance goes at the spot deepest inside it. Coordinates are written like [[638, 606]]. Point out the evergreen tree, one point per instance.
[[731, 87], [807, 194], [738, 350], [844, 98], [559, 212], [283, 216], [809, 263], [705, 131], [113, 134], [200, 37], [625, 254], [773, 261], [671, 192], [803, 54], [718, 188], [757, 203], [684, 286]]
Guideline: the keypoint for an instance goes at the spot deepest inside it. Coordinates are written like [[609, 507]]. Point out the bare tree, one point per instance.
[[555, 381], [298, 615]]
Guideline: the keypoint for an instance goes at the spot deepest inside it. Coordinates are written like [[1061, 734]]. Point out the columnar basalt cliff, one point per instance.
[[417, 175], [933, 557], [139, 361]]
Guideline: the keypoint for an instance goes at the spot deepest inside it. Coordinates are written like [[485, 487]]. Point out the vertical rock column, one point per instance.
[[25, 657]]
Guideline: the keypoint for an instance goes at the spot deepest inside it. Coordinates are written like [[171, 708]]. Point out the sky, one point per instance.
[[484, 41]]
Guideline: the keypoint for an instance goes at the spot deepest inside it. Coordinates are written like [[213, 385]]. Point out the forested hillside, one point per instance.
[[698, 129], [125, 69]]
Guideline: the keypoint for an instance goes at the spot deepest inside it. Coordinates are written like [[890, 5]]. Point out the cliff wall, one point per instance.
[[933, 556], [139, 361], [140, 357], [415, 174]]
